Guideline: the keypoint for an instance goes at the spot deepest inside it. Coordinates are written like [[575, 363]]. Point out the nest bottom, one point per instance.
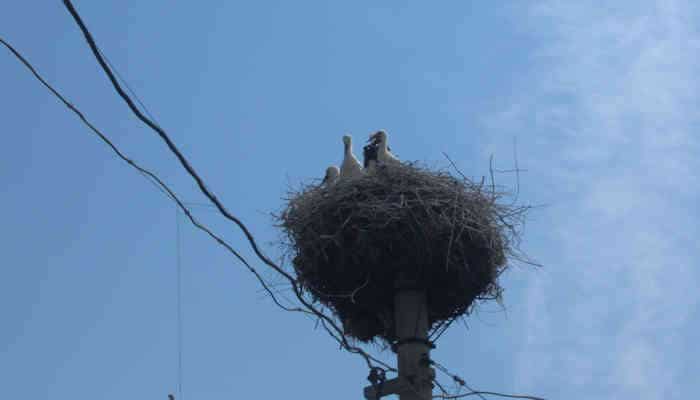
[[362, 293]]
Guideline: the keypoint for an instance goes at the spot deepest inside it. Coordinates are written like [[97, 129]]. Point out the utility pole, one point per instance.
[[412, 347]]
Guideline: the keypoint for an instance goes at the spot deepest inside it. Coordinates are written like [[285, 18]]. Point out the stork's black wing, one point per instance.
[[369, 153]]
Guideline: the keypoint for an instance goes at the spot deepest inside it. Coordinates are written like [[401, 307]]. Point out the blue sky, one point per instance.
[[601, 100]]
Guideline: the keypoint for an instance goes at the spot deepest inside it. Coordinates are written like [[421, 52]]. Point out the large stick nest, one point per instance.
[[350, 241]]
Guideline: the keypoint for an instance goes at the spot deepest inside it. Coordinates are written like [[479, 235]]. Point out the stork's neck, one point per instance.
[[348, 148], [382, 146]]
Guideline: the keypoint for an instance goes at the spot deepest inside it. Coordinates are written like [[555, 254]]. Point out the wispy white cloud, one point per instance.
[[612, 116]]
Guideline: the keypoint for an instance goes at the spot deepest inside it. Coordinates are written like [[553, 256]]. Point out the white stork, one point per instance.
[[351, 167], [384, 154], [332, 174]]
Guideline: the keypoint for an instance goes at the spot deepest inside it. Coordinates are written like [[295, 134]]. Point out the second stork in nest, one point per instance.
[[351, 167], [378, 151]]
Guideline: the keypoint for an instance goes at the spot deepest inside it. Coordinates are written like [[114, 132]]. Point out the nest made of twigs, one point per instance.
[[349, 242]]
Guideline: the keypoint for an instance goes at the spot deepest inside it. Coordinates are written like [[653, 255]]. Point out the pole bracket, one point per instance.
[[395, 346]]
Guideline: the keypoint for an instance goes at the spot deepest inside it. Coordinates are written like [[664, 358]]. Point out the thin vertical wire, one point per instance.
[[179, 303]]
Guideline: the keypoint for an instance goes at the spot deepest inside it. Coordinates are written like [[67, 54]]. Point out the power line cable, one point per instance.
[[152, 177], [472, 392], [171, 146], [128, 87], [328, 323], [339, 334]]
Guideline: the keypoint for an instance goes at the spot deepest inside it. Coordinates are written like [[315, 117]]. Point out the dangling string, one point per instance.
[[179, 303]]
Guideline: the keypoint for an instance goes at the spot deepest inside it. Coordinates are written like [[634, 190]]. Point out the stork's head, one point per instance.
[[347, 140], [332, 173], [378, 136]]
